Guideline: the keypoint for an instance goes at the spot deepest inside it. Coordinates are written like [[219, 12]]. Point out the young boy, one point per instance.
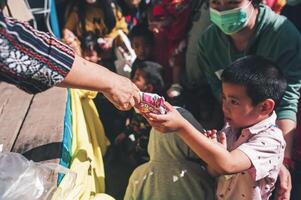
[[249, 158], [147, 78], [142, 41]]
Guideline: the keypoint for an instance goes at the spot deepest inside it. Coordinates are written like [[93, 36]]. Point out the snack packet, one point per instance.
[[151, 103]]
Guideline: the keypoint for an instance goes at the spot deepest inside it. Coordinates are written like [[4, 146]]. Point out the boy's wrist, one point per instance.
[[183, 125]]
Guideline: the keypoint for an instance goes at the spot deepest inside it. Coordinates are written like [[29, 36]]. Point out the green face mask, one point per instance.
[[230, 21]]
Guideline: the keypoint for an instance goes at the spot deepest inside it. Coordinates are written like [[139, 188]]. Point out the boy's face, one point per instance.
[[142, 48], [238, 109], [140, 81]]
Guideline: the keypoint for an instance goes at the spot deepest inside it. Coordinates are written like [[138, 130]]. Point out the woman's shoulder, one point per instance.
[[273, 21]]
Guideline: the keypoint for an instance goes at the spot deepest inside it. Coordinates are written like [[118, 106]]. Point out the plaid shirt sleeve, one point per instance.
[[32, 60]]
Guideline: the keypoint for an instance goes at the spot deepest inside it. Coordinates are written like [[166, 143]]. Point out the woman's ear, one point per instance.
[[267, 106]]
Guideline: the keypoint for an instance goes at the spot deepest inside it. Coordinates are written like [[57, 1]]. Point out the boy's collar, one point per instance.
[[262, 125], [256, 128]]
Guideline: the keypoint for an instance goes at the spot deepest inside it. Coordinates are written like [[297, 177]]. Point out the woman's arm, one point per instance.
[[87, 75]]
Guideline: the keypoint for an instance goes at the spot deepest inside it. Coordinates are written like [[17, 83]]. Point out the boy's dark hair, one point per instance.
[[141, 30], [152, 73], [261, 78]]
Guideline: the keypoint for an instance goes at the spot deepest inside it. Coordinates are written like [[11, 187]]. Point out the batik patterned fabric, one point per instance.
[[32, 60]]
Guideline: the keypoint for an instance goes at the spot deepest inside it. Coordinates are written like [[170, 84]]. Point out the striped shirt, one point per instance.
[[32, 60]]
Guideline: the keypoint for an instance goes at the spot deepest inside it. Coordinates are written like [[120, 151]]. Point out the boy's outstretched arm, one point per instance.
[[215, 155]]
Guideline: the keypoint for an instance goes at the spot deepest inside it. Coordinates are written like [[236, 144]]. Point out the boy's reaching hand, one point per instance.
[[220, 140], [169, 122]]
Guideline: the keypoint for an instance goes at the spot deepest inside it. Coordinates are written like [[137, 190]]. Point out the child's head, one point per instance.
[[133, 3], [252, 87], [142, 41], [148, 77], [90, 48], [159, 18]]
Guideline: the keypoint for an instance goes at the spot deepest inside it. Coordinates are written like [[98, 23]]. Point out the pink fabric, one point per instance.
[[264, 144]]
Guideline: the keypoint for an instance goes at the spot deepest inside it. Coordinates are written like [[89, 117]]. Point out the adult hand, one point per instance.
[[87, 75], [123, 93], [285, 186]]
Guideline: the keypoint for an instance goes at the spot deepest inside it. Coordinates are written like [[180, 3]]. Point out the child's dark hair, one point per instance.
[[256, 3], [152, 73], [89, 42], [141, 30], [261, 78]]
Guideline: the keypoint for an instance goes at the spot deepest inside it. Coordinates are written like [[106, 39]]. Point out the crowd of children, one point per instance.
[[247, 153]]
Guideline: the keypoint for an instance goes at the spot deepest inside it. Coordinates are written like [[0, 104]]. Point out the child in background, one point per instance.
[[170, 21], [142, 41], [90, 48], [101, 17], [147, 78], [134, 11], [250, 150]]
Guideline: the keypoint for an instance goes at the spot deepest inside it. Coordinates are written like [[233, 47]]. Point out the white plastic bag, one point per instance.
[[28, 180]]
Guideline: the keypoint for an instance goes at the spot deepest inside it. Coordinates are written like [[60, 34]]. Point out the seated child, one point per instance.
[[174, 172], [135, 137], [250, 150]]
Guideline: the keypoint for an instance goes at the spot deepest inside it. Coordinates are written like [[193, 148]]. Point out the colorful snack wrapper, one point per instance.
[[151, 103]]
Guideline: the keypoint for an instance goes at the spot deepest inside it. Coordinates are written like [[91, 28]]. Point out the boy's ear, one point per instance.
[[267, 106]]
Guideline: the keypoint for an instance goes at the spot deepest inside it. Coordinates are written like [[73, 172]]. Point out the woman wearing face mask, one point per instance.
[[247, 27]]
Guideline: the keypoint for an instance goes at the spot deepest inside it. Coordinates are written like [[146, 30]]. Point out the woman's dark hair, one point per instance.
[[261, 78], [152, 73]]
